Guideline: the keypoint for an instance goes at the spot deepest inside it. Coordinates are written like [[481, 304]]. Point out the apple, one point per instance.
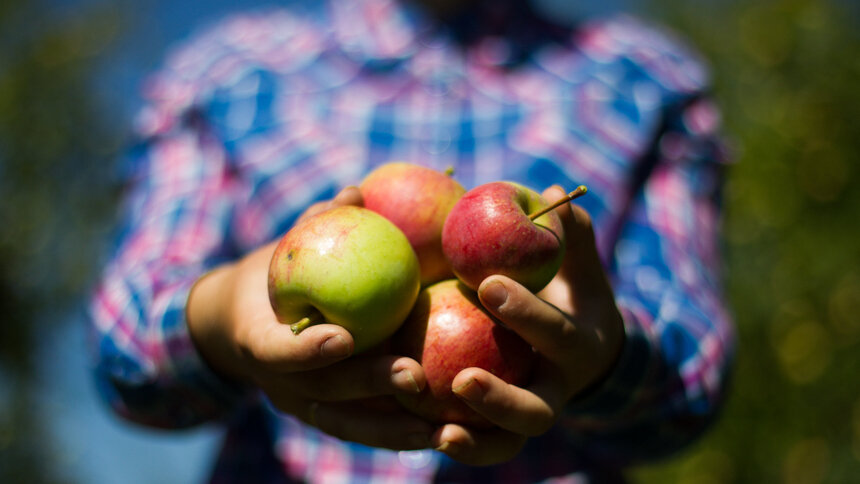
[[447, 331], [348, 266], [489, 232], [417, 200]]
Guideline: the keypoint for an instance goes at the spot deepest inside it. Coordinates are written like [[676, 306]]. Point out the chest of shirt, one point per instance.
[[298, 138]]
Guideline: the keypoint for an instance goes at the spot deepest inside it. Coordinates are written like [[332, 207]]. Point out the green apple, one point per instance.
[[347, 266]]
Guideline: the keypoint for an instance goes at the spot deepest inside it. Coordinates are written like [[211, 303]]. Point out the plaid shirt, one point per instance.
[[256, 118]]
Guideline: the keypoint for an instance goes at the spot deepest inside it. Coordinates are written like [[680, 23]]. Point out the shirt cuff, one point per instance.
[[206, 393], [612, 401]]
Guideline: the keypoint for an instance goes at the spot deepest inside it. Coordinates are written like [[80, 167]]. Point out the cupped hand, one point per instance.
[[308, 375], [575, 327]]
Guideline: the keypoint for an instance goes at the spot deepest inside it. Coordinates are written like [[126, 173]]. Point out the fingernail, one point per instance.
[[494, 294], [448, 447], [335, 347], [471, 390], [404, 379]]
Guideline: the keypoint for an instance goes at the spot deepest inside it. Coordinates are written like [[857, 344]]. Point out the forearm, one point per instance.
[[175, 230], [206, 316], [665, 389], [211, 312]]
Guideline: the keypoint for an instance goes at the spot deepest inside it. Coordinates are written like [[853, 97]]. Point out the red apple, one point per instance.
[[489, 232], [447, 331], [417, 200]]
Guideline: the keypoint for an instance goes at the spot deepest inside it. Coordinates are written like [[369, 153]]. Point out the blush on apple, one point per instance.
[[417, 200], [447, 331], [489, 231]]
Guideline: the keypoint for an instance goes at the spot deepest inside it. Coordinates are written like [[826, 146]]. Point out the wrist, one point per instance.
[[207, 316], [610, 341], [615, 339]]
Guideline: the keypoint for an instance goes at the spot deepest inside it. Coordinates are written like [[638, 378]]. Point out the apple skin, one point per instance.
[[447, 331], [417, 200], [349, 265], [489, 232]]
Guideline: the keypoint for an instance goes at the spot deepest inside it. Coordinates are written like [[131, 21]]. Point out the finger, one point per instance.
[[583, 290], [582, 262], [396, 430], [584, 347], [513, 408], [350, 195], [361, 378], [542, 325], [274, 346], [477, 447], [580, 222]]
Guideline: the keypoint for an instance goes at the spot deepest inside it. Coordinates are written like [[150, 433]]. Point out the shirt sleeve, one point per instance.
[[175, 228], [670, 378]]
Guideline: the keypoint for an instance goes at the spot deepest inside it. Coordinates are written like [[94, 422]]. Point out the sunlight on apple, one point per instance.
[[491, 211], [447, 321], [325, 245]]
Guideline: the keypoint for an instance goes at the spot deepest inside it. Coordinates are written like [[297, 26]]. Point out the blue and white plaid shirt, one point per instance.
[[256, 118]]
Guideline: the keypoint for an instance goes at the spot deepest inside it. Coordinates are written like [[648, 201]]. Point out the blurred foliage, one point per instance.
[[55, 152], [787, 76]]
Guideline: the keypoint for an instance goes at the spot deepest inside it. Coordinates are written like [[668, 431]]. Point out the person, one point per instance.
[[271, 116]]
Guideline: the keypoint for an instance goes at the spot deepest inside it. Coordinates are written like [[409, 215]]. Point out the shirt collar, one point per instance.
[[375, 30], [385, 32]]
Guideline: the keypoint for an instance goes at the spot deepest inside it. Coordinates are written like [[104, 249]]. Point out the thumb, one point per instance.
[[350, 195], [274, 346], [542, 325]]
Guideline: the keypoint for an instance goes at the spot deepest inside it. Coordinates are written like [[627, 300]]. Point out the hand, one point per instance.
[[235, 329], [575, 327]]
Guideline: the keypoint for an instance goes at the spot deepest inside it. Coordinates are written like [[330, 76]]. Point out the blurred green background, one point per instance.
[[786, 73]]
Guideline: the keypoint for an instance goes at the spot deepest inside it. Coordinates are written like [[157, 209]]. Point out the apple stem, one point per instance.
[[449, 171], [306, 321], [580, 191]]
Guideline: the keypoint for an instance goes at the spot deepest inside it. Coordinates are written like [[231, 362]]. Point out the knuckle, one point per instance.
[[520, 305], [383, 377], [566, 335]]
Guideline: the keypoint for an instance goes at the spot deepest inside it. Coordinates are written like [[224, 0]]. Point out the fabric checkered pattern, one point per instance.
[[255, 118]]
